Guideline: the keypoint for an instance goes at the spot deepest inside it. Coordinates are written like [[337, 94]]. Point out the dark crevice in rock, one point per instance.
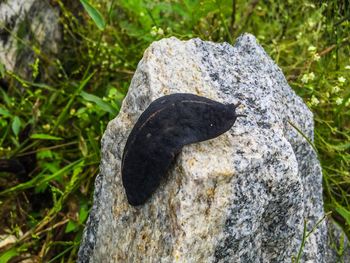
[[5, 32]]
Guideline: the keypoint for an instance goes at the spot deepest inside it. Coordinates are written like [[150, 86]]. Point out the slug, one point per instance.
[[169, 123]]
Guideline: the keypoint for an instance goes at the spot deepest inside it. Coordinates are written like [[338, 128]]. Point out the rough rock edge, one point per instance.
[[89, 237]]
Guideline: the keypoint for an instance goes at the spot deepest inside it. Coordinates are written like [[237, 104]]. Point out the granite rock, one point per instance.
[[28, 28], [241, 197]]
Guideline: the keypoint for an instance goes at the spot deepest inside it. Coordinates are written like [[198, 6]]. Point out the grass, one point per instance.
[[51, 122]]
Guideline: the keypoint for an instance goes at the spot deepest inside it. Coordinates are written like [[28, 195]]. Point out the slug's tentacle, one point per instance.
[[168, 124]]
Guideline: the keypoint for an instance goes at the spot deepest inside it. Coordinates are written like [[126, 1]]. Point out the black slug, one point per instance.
[[169, 123]]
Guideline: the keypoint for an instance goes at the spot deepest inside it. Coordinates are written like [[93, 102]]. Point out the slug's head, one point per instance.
[[231, 111], [224, 119]]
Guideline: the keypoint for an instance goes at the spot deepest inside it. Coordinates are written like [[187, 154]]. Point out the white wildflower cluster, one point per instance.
[[312, 50], [307, 4], [341, 80], [311, 22], [314, 101], [338, 101], [157, 31], [335, 89], [316, 57], [307, 77]]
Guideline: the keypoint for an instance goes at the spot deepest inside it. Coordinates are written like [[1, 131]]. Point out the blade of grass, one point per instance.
[[42, 136], [95, 146], [344, 213], [40, 179], [64, 112], [306, 235], [305, 137], [62, 253], [8, 254], [99, 102], [5, 112], [73, 184], [302, 244], [223, 21], [94, 14], [16, 125], [48, 148]]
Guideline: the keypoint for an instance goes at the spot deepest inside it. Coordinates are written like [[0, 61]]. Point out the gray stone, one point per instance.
[[27, 28], [338, 244], [241, 197]]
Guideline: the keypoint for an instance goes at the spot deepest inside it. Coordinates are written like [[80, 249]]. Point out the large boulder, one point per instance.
[[241, 197]]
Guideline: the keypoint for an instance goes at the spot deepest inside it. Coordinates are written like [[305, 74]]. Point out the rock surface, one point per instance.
[[241, 197], [27, 28]]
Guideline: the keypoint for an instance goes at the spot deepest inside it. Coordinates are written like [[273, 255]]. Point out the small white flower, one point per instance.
[[347, 67], [314, 101], [309, 5], [338, 101], [160, 32], [341, 79], [154, 31], [305, 78], [311, 23], [311, 76], [335, 89], [311, 48], [316, 57]]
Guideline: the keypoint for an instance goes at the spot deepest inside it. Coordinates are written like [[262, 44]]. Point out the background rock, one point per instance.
[[241, 197], [27, 28]]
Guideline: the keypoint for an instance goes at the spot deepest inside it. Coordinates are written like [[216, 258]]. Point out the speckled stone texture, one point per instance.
[[35, 23], [241, 197]]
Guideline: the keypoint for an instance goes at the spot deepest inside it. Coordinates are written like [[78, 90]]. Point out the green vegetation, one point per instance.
[[54, 121]]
